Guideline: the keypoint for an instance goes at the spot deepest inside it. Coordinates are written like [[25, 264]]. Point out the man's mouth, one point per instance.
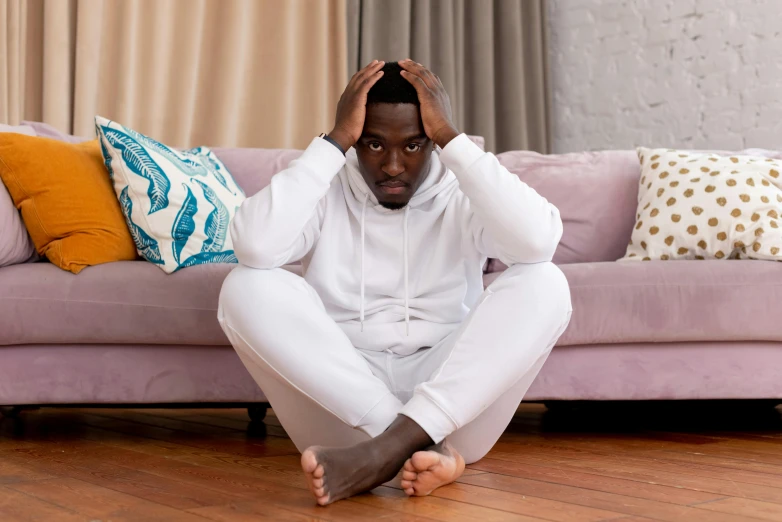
[[393, 187]]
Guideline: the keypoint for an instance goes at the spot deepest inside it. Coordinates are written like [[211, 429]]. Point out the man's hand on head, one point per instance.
[[436, 112], [352, 106]]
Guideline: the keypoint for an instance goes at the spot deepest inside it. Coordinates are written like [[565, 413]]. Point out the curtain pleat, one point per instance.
[[247, 73]]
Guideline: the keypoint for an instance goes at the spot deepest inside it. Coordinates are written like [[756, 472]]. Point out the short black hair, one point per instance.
[[392, 87]]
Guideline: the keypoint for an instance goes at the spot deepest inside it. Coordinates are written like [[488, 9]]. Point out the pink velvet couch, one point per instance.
[[127, 333]]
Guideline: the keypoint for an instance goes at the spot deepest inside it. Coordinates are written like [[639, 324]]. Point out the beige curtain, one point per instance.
[[249, 73], [490, 55]]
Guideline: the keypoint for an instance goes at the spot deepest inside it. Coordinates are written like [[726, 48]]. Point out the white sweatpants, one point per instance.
[[326, 392]]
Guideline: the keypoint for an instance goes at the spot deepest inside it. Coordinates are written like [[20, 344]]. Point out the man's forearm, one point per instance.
[[524, 226], [268, 228]]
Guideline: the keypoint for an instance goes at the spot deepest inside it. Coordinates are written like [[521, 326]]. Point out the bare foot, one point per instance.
[[427, 470], [337, 473]]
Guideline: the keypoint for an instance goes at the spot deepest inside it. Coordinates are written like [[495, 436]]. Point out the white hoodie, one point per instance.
[[395, 280]]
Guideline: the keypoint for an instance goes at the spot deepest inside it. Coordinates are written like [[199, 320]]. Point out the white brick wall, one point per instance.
[[678, 73]]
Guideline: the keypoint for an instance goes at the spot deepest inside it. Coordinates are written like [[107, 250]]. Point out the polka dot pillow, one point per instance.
[[706, 206]]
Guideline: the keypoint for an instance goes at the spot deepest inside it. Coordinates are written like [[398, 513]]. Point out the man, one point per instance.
[[388, 354]]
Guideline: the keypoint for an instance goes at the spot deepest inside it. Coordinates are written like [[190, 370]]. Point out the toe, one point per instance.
[[323, 500], [319, 492], [319, 471], [409, 475], [317, 483], [408, 466], [424, 460], [406, 484], [309, 460], [409, 492]]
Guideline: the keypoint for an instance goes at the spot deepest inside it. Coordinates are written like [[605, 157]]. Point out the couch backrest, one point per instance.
[[596, 194]]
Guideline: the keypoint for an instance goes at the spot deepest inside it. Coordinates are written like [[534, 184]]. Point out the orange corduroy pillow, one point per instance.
[[66, 199]]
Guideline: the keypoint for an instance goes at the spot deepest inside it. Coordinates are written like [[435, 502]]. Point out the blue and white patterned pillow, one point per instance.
[[177, 204]]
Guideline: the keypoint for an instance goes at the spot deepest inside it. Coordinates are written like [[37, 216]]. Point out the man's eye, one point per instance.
[[415, 147], [374, 146]]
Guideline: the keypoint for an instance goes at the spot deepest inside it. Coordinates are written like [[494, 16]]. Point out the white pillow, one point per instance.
[[15, 244], [178, 205], [707, 206]]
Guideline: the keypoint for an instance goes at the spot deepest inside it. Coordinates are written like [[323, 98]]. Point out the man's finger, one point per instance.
[[369, 82], [420, 71], [369, 70], [416, 81]]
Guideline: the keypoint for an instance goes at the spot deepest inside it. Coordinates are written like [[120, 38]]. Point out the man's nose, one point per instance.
[[393, 165]]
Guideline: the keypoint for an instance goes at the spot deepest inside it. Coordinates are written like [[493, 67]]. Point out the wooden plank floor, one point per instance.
[[711, 462]]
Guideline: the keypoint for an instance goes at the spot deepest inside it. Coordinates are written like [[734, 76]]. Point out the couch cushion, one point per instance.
[[673, 301], [123, 302]]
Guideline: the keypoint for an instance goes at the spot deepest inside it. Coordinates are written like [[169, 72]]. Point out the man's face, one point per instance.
[[393, 152]]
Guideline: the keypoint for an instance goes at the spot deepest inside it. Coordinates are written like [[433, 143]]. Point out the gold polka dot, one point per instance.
[[719, 254], [664, 257], [755, 216], [704, 169], [773, 173], [779, 198], [656, 156], [653, 230], [735, 212], [714, 173], [722, 236], [639, 225], [647, 205], [663, 174], [643, 180], [654, 212], [631, 255], [675, 218], [764, 199], [671, 163], [772, 214], [674, 183], [774, 224], [750, 182], [721, 201], [734, 171], [647, 259], [734, 160], [682, 155], [684, 171], [738, 244], [660, 192], [765, 182], [713, 222], [739, 228], [671, 202], [744, 197], [758, 231], [702, 244], [697, 211], [692, 229], [655, 165], [643, 245], [699, 258], [755, 246], [669, 240], [694, 180], [731, 183], [710, 188], [713, 159], [682, 251], [774, 251], [688, 193], [649, 185]]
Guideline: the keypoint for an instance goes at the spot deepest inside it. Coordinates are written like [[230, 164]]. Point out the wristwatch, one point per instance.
[[325, 137]]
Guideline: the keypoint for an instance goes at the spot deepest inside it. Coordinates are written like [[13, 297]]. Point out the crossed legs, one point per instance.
[[353, 430]]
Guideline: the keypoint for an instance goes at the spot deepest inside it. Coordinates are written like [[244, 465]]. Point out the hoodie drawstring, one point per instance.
[[363, 213], [407, 307]]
